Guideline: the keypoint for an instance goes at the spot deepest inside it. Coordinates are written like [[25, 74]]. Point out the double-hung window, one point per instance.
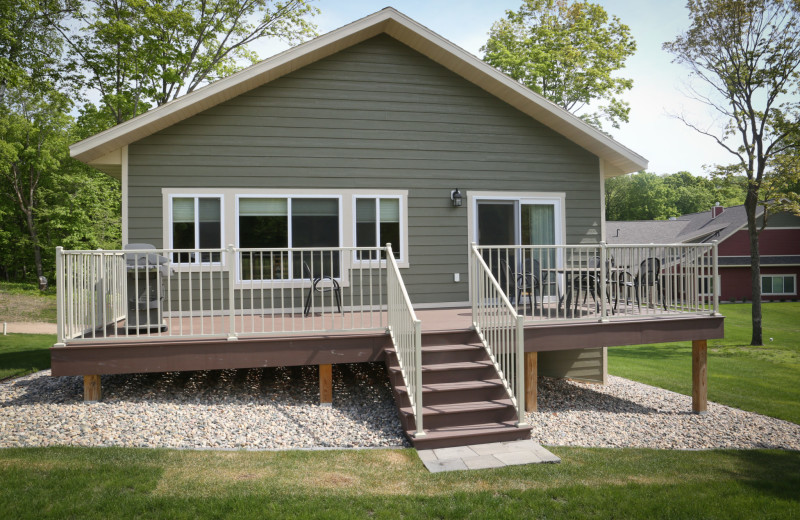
[[377, 224], [778, 284], [196, 224], [306, 223]]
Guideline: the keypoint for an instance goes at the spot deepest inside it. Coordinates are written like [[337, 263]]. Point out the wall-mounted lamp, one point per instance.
[[456, 197]]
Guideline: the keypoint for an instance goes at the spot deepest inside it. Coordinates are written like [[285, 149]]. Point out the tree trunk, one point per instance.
[[751, 205], [37, 250]]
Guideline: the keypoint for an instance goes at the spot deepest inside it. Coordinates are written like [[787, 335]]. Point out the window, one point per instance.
[[778, 284], [378, 224], [196, 224], [288, 222]]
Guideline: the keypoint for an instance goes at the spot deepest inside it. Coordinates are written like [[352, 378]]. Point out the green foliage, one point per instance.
[[765, 379], [141, 53], [567, 52], [647, 196]]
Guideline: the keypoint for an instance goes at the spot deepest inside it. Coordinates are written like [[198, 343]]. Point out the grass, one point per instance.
[[22, 354], [24, 302], [759, 379], [590, 483]]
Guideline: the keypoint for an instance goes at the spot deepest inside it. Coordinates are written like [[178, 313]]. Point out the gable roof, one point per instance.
[[694, 227], [104, 148]]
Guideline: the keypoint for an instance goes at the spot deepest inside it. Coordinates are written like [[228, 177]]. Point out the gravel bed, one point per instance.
[[625, 413], [258, 409], [276, 408]]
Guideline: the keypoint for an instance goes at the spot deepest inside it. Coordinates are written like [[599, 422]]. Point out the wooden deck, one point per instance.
[[163, 351]]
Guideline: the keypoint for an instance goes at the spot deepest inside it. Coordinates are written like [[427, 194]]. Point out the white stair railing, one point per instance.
[[405, 330], [500, 329]]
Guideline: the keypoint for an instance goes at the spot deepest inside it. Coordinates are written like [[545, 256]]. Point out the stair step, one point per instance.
[[460, 414], [470, 434], [455, 392], [449, 353], [449, 338], [449, 372]]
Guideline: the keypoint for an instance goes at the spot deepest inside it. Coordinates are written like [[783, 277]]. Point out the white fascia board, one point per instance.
[[618, 159]]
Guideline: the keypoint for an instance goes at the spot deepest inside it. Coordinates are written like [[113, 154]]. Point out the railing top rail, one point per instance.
[[588, 246], [221, 250], [406, 299], [496, 285]]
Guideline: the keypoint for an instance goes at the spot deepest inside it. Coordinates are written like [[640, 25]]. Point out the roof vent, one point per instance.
[[717, 210]]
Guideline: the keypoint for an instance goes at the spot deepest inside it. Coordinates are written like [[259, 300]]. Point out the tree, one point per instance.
[[33, 144], [567, 52], [140, 53], [747, 52], [647, 196]]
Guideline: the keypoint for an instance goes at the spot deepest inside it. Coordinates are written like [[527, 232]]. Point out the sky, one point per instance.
[[659, 85]]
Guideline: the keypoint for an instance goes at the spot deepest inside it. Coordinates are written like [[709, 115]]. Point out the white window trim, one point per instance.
[[557, 199], [775, 275], [230, 212], [169, 225], [401, 255], [291, 282]]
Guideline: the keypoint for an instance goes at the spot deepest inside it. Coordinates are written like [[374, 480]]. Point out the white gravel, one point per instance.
[[276, 408], [271, 408], [625, 413]]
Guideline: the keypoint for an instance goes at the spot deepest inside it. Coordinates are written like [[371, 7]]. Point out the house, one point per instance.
[[779, 247], [375, 194]]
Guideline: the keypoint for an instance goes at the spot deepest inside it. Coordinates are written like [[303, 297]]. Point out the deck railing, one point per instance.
[[602, 282], [500, 328], [406, 333], [232, 292]]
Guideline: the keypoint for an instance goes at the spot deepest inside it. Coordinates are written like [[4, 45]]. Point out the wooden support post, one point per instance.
[[699, 376], [531, 380], [91, 389], [325, 385]]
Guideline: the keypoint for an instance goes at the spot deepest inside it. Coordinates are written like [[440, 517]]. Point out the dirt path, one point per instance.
[[29, 327]]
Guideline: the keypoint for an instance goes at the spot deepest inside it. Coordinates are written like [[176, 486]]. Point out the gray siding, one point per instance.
[[582, 364], [377, 115]]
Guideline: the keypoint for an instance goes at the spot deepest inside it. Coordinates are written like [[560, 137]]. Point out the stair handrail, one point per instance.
[[405, 330], [500, 329]]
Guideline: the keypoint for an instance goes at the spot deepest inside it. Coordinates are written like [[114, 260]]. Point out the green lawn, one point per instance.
[[22, 354], [590, 483], [760, 379]]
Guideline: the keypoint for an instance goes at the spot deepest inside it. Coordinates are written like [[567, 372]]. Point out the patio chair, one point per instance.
[[648, 278], [526, 281], [315, 287]]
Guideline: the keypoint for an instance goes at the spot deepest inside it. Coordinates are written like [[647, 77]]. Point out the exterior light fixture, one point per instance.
[[456, 197]]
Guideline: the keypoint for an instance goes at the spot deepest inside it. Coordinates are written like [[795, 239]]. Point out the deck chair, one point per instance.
[[648, 278], [315, 287]]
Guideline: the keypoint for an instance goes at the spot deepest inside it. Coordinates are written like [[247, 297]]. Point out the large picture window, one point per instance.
[[378, 224], [777, 284], [196, 224], [288, 222]]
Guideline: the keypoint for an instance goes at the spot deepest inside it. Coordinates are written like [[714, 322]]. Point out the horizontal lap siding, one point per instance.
[[375, 116]]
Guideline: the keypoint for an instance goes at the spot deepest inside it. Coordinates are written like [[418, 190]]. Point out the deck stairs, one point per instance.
[[464, 399]]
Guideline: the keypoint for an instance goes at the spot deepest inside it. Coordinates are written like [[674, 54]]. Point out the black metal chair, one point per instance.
[[526, 281], [315, 281], [648, 278]]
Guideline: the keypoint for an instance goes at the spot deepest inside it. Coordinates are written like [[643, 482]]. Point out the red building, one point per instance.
[[779, 245]]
